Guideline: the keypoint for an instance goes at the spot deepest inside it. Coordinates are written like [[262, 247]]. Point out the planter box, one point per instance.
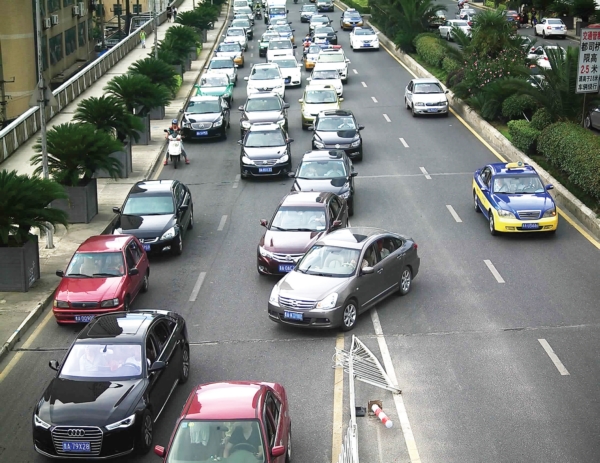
[[126, 160], [178, 69], [157, 114], [145, 134], [82, 204], [188, 64], [20, 266], [193, 54]]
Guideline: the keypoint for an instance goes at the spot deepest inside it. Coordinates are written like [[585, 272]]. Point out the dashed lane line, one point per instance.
[[557, 363], [453, 213], [425, 173], [222, 223], [495, 272], [364, 84], [236, 182], [386, 117], [197, 286], [374, 99], [354, 71], [403, 141]]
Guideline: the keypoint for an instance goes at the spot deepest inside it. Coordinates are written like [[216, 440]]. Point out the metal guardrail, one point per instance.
[[27, 124]]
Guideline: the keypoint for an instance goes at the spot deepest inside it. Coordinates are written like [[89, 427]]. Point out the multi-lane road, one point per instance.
[[496, 348]]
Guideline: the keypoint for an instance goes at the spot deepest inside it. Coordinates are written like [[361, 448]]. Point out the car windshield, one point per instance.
[[518, 184], [240, 23], [314, 49], [265, 73], [430, 87], [364, 32], [230, 47], [460, 23], [260, 139], [280, 45], [335, 124], [352, 15], [322, 169], [235, 32], [263, 104], [214, 80], [245, 9], [276, 10], [145, 204], [556, 22], [96, 264], [329, 261], [200, 441], [268, 37], [299, 218], [203, 107], [331, 58], [320, 96], [282, 28], [324, 30], [106, 361], [319, 19], [325, 75], [221, 64], [286, 63]]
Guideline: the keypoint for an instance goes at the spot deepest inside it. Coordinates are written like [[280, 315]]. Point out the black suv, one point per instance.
[[264, 107], [338, 129]]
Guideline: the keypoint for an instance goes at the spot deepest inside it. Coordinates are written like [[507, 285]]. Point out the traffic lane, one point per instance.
[[494, 394]]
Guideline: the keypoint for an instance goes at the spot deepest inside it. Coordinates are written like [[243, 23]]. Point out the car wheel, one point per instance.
[[191, 222], [414, 114], [587, 122], [146, 282], [405, 282], [177, 246], [448, 36], [406, 105], [127, 304], [146, 436], [288, 455], [493, 231], [185, 365], [351, 207], [349, 315], [543, 34], [224, 134], [476, 203]]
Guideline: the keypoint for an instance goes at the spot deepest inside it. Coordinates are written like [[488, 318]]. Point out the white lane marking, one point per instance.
[[385, 116], [453, 213], [409, 438], [364, 84], [495, 272], [222, 223], [197, 286], [557, 363], [403, 141], [236, 182], [251, 55], [427, 176], [374, 99], [354, 71]]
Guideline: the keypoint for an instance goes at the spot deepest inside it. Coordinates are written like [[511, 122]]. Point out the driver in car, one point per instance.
[[244, 437]]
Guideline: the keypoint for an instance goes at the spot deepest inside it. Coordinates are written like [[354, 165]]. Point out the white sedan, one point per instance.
[[291, 70], [446, 29], [364, 38], [327, 77], [550, 26], [539, 55], [238, 34]]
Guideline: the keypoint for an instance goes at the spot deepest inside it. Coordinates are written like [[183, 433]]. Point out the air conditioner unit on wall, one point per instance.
[[46, 23], [54, 19], [76, 11], [82, 9]]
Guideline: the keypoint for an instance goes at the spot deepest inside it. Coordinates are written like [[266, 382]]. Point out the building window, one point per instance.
[[70, 41], [44, 53], [53, 5], [68, 2], [56, 49], [137, 8], [81, 34]]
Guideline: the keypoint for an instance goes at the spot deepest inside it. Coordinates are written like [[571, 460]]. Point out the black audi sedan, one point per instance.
[[265, 151], [338, 129], [205, 117], [263, 107], [112, 386], [158, 213], [327, 171]]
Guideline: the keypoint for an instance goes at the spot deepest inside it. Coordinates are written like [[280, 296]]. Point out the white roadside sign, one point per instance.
[[588, 71]]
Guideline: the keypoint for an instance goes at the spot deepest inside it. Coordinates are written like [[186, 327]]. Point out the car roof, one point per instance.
[[352, 237], [512, 168], [265, 65], [120, 327], [306, 198], [104, 243], [323, 155]]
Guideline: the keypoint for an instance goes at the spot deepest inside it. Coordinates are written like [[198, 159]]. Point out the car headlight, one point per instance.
[[355, 143], [283, 159], [184, 124], [61, 304], [319, 144], [110, 303], [246, 124], [218, 122], [247, 160], [443, 103], [506, 214], [274, 297], [418, 103], [550, 213], [345, 195], [169, 234], [328, 302], [263, 252], [122, 424], [37, 421]]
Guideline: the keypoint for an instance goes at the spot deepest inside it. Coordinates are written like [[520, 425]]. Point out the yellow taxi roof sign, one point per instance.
[[515, 165]]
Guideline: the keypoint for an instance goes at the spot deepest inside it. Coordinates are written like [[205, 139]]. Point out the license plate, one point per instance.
[[265, 170], [366, 45], [146, 247], [284, 268], [558, 28], [76, 447], [201, 133], [292, 315], [530, 226], [288, 80], [83, 319], [432, 110]]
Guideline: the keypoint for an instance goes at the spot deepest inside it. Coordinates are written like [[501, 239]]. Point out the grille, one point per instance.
[[201, 125], [296, 304], [267, 162], [148, 240], [92, 435], [529, 215], [283, 257], [437, 103], [265, 89], [367, 41], [338, 146], [84, 305]]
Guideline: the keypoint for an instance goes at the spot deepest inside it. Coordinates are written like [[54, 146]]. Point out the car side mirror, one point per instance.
[[159, 450], [549, 187], [311, 127], [360, 127], [277, 451], [447, 91], [133, 271], [117, 210], [309, 79], [301, 100], [60, 273], [240, 142], [347, 61], [53, 364], [263, 222], [246, 78], [287, 11], [337, 223], [367, 271], [295, 46], [240, 108], [183, 208], [289, 140], [286, 105], [165, 131], [293, 30], [484, 188], [291, 174], [181, 110], [157, 366], [342, 99], [353, 174], [235, 66]]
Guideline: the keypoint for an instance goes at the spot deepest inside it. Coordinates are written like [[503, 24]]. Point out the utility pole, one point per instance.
[[102, 25], [127, 18], [155, 29], [3, 96]]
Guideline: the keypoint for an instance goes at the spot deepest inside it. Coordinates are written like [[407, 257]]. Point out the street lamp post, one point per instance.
[[155, 29]]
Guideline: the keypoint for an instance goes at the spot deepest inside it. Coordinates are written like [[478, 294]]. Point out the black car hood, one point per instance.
[[89, 403], [330, 185], [262, 116], [144, 226], [208, 117], [341, 136], [265, 153]]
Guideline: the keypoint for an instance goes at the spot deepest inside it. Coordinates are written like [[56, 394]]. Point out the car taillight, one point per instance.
[[546, 58], [415, 246]]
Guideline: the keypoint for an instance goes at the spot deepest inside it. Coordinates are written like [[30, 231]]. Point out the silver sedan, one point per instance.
[[426, 96]]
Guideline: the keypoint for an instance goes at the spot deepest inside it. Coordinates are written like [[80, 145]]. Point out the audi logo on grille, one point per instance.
[[76, 432]]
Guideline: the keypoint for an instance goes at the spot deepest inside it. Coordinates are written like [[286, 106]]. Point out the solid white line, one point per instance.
[[374, 99], [409, 438], [495, 272], [222, 223], [403, 141], [364, 84], [453, 213], [557, 363], [236, 182], [385, 116], [354, 71], [427, 176], [197, 286]]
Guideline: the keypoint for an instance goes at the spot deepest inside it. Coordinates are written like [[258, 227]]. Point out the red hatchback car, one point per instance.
[[232, 422], [104, 275]]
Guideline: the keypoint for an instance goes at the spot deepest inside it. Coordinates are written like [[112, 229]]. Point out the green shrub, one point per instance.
[[514, 106], [576, 151], [489, 4], [523, 135], [430, 50], [359, 5], [501, 7], [450, 65], [541, 119]]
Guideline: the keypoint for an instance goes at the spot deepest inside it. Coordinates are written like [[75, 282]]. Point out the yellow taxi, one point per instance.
[[317, 98]]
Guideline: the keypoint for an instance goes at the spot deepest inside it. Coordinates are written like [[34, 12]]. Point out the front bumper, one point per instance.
[[272, 266], [351, 152], [431, 109], [506, 225], [324, 319], [324, 8], [156, 246], [67, 316], [294, 81], [265, 170]]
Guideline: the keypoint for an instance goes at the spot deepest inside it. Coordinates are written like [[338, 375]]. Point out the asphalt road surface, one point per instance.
[[496, 348]]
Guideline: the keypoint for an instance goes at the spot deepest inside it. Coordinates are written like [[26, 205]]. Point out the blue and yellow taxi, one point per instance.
[[513, 198]]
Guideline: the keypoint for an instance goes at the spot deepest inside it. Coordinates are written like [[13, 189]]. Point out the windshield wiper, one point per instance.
[[302, 229], [106, 275], [279, 228], [78, 275]]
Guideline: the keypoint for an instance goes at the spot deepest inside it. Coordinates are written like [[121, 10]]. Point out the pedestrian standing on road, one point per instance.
[[143, 38]]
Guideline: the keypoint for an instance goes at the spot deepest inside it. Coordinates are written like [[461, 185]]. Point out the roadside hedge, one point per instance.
[[574, 150], [430, 49], [515, 105], [361, 8], [523, 135], [541, 119], [450, 65]]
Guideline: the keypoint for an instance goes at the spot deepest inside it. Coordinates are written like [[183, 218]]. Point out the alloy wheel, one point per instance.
[[476, 203], [349, 316], [185, 365], [405, 281], [145, 283], [492, 224], [288, 457], [148, 430], [587, 122]]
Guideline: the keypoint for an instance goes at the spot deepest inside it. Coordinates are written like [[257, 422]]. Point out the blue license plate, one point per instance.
[[201, 133], [292, 315], [285, 268], [265, 170], [366, 45], [83, 318], [530, 226], [432, 110], [78, 447], [146, 247]]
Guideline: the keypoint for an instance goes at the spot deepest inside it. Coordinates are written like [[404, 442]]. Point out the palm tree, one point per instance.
[[76, 151], [108, 113], [23, 206], [492, 34], [181, 38], [200, 18], [138, 93], [159, 72]]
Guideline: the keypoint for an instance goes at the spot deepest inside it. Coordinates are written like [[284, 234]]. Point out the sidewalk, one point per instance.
[[18, 311]]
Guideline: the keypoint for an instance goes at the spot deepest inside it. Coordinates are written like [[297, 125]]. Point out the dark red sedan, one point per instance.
[[104, 275], [232, 422]]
